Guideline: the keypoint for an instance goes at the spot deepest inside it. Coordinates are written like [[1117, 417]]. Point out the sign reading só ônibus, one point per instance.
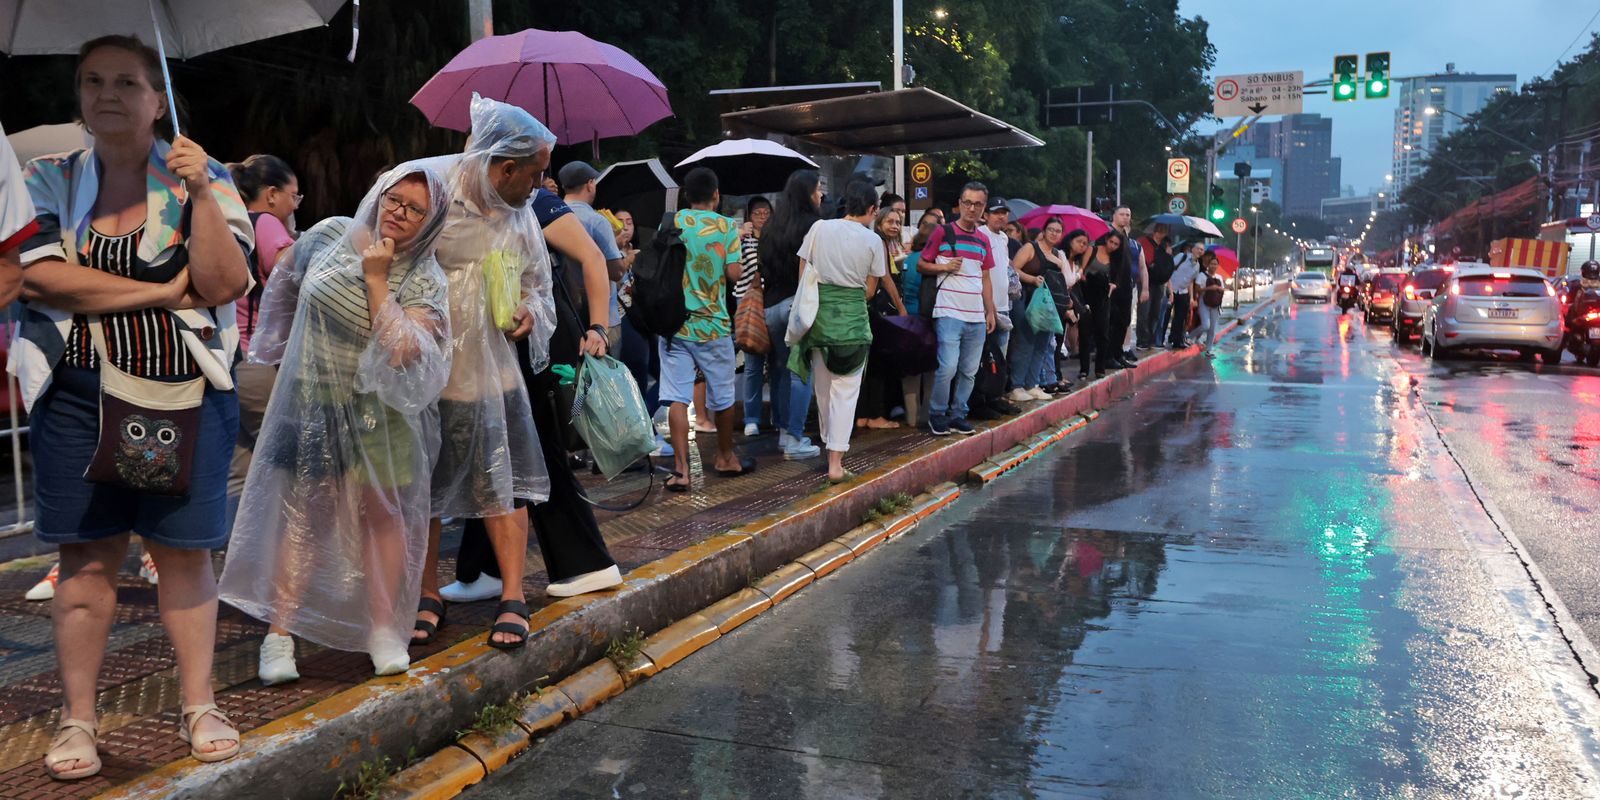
[[1258, 93]]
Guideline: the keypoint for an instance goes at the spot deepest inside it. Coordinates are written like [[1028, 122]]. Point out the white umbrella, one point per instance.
[[185, 28], [46, 139], [1202, 225], [747, 166]]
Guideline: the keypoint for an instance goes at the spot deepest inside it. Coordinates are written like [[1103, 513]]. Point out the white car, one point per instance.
[[1311, 286]]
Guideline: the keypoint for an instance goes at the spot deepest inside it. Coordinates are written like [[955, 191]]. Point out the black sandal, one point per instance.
[[510, 607], [432, 606]]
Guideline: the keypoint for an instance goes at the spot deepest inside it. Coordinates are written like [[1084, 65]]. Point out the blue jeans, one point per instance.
[[960, 350], [791, 399], [1029, 348]]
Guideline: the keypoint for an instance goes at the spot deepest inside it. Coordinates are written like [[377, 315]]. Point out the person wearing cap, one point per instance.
[[1005, 287], [578, 186]]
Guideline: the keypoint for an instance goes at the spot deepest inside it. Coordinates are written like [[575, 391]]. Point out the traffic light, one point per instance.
[[1377, 76], [1345, 78], [1219, 209]]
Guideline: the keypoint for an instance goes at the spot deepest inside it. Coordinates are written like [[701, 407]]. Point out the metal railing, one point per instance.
[[14, 434]]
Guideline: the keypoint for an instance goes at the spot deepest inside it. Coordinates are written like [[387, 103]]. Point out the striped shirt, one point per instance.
[[961, 293], [752, 265], [145, 342]]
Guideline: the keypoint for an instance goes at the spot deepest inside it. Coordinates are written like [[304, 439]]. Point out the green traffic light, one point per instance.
[[1217, 214], [1377, 89], [1345, 90]]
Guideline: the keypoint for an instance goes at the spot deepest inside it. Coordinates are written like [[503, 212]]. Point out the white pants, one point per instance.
[[836, 403]]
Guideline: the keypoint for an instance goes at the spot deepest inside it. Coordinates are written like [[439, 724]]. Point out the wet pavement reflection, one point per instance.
[[1243, 583]]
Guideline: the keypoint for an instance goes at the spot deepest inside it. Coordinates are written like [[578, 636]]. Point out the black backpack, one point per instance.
[[659, 308], [990, 382]]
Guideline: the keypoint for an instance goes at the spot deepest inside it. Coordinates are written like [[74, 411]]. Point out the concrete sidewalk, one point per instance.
[[681, 552]]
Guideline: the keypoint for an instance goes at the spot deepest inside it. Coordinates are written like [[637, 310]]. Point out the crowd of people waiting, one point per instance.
[[360, 382]]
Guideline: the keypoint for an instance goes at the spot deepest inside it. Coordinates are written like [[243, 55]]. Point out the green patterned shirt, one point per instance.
[[713, 243]]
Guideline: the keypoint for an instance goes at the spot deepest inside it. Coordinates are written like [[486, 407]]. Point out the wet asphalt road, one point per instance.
[[1264, 577]]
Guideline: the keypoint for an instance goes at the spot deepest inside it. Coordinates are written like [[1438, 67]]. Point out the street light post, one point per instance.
[[900, 83], [1255, 247]]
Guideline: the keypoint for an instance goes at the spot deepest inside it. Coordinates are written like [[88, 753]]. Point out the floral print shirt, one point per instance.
[[713, 243]]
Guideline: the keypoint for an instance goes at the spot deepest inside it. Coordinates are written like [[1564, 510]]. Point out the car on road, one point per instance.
[[1311, 286], [1494, 308], [1415, 294], [1381, 295]]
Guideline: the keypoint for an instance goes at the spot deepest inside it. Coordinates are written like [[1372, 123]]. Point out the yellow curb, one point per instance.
[[495, 751], [546, 711], [675, 642], [936, 498], [827, 558], [785, 581], [592, 685], [438, 777], [641, 667], [686, 559], [865, 537], [736, 609]]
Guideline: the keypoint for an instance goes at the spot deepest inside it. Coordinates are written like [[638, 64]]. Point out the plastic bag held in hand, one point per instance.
[[610, 414], [1042, 314]]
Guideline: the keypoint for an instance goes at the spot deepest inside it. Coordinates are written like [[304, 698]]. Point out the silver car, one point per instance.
[[1311, 286], [1416, 292], [1492, 308]]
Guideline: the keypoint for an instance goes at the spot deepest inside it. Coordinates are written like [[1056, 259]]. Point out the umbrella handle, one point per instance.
[[166, 76]]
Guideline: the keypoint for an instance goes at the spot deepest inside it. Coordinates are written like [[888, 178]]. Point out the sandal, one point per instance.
[[746, 466], [510, 607], [191, 718], [69, 746], [432, 606]]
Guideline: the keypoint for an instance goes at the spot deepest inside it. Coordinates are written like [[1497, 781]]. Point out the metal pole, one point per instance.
[[1119, 182], [480, 19], [1255, 248], [900, 83], [1088, 172]]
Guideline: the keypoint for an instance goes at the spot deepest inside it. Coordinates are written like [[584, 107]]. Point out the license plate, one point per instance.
[[1502, 313], [1594, 333]]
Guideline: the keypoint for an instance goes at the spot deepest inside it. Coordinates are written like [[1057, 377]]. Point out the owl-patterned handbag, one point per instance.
[[147, 428]]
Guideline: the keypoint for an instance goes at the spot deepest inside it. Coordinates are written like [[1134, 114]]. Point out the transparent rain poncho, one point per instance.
[[489, 456], [332, 528]]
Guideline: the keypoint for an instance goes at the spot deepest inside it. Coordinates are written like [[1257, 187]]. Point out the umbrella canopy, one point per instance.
[[1227, 260], [643, 189], [1071, 217], [46, 139], [747, 166], [1182, 227], [582, 89], [1019, 207], [188, 28]]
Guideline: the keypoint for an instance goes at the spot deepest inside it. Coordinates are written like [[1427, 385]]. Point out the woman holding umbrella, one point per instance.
[[135, 235]]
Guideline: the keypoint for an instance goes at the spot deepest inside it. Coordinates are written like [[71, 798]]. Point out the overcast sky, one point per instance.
[[1523, 37]]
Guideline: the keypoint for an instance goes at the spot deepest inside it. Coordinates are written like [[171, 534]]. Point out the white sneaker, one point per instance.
[[752, 429], [147, 569], [485, 587], [586, 583], [388, 658], [801, 448], [1039, 393], [1020, 395], [277, 660], [45, 589]]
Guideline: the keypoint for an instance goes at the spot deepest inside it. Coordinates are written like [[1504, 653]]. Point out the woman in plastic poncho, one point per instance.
[[332, 528]]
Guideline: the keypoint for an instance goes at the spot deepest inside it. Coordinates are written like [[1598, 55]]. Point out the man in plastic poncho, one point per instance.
[[493, 255]]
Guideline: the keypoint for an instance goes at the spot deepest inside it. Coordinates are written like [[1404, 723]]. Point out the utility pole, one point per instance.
[[899, 79], [480, 19], [1088, 172], [1119, 182]]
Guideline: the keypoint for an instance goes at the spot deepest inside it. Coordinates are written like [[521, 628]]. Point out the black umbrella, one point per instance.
[[747, 166]]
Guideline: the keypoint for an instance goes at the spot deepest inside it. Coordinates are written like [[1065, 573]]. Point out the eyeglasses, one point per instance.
[[406, 211], [972, 204]]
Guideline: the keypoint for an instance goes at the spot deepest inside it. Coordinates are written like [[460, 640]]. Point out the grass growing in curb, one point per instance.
[[497, 718], [621, 652], [370, 777], [886, 507]]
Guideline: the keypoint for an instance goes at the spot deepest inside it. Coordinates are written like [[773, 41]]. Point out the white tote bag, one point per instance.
[[803, 311]]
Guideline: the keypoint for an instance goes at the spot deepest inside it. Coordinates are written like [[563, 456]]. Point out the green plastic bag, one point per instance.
[[1042, 314], [609, 413], [502, 285]]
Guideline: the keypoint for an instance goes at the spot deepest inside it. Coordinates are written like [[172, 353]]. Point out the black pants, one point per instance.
[[569, 536], [1180, 320], [1092, 326], [1119, 317]]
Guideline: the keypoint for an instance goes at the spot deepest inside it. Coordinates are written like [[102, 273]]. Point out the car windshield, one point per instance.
[[1511, 286], [1429, 278], [1389, 282], [1311, 276]]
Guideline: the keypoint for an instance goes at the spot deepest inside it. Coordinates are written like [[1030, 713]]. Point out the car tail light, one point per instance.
[[1411, 291], [1502, 276], [1550, 290], [1455, 288], [1592, 316]]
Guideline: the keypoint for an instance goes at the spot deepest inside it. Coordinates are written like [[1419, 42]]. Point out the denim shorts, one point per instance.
[[680, 359], [64, 431]]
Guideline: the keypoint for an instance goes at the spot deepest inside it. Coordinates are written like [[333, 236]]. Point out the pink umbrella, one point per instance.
[[582, 89], [1227, 260], [1071, 217]]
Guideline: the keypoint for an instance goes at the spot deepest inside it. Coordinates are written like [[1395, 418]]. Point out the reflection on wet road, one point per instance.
[[1251, 581]]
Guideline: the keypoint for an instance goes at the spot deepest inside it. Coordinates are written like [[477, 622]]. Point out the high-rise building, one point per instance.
[[1303, 143], [1416, 131]]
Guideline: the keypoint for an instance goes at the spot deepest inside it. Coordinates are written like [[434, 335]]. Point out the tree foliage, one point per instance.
[[340, 122]]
